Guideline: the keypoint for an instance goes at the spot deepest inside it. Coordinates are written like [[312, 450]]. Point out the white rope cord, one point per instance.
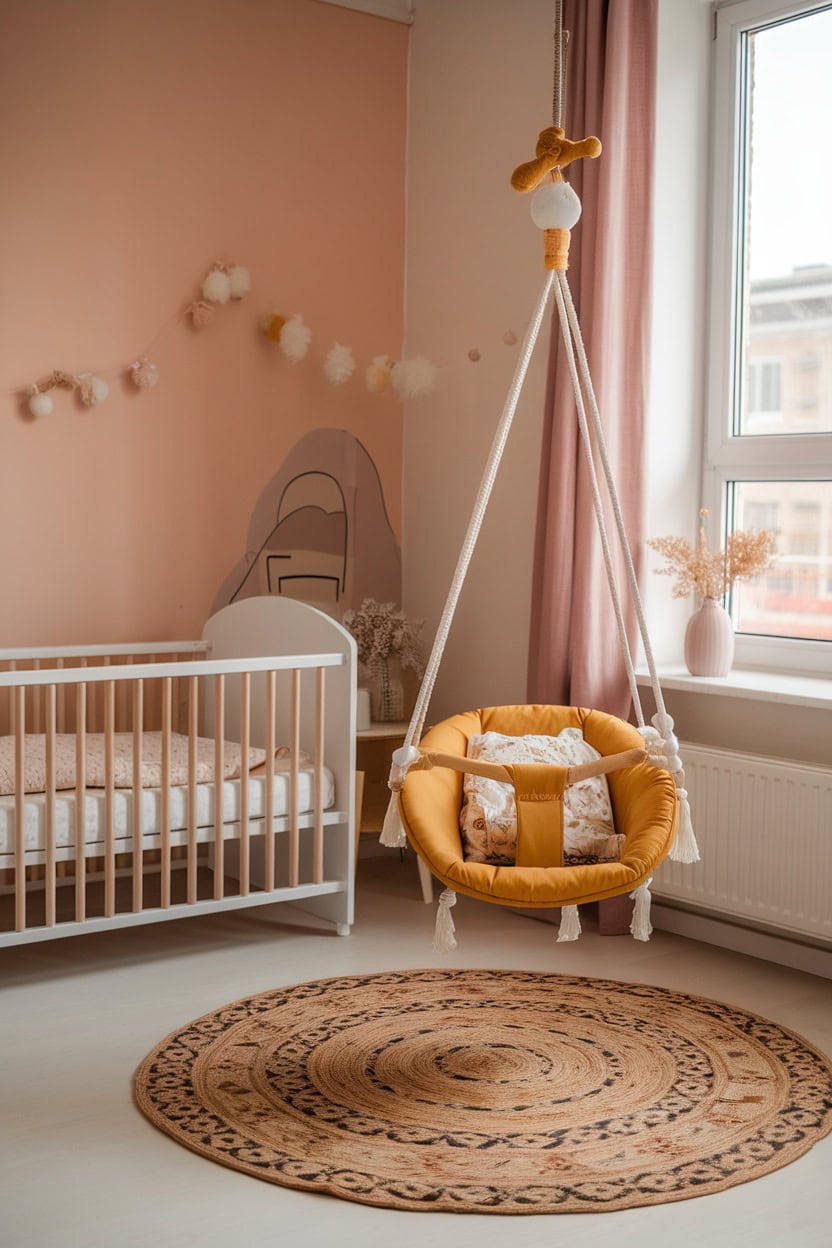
[[597, 502], [613, 493], [417, 721]]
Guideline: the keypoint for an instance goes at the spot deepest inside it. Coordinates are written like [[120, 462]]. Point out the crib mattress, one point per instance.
[[34, 819]]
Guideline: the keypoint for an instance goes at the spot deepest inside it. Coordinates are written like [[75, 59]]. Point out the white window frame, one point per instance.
[[761, 457]]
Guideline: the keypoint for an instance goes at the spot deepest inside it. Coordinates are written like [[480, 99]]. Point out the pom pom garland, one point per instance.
[[222, 283], [339, 365], [217, 287], [414, 379], [295, 338]]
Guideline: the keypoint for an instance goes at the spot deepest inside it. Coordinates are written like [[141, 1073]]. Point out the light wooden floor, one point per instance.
[[80, 1168]]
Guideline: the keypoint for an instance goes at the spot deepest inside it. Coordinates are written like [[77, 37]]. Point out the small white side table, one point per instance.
[[374, 748]]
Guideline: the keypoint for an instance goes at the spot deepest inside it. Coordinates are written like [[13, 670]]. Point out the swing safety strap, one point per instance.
[[539, 789]]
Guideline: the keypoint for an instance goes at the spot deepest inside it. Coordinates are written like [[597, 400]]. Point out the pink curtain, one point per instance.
[[574, 653]]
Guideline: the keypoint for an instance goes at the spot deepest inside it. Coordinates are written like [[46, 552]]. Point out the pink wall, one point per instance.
[[138, 143]]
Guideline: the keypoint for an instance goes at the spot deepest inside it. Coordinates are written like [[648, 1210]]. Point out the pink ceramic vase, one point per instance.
[[709, 640]]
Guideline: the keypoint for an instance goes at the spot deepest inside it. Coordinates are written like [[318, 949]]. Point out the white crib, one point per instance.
[[269, 673]]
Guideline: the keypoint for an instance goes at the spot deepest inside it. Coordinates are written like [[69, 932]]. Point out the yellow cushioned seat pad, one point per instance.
[[643, 802]]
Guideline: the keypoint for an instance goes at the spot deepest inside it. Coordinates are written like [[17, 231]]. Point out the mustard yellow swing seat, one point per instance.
[[645, 773], [643, 799]]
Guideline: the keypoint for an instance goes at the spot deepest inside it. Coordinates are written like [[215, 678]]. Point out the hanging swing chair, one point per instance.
[[645, 772]]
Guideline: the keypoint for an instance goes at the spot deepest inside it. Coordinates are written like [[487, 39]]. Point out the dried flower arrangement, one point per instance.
[[381, 632], [384, 634], [711, 573]]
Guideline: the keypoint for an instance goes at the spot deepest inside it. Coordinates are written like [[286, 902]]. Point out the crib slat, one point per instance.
[[19, 809], [138, 722], [294, 830], [318, 835], [245, 737], [219, 774], [109, 694], [268, 805], [61, 702], [37, 705], [87, 703], [165, 796], [193, 712], [80, 800], [50, 806], [12, 701]]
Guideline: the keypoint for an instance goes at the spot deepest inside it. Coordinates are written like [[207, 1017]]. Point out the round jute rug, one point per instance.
[[489, 1091]]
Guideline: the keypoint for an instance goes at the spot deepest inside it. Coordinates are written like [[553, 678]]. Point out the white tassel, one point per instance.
[[684, 847], [443, 938], [640, 926], [392, 830], [570, 924]]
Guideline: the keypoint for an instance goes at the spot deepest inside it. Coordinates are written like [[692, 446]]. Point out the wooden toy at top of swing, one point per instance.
[[646, 775]]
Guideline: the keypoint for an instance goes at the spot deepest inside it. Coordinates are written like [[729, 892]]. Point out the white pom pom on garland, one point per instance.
[[295, 338], [92, 390], [239, 280], [217, 287], [414, 379], [41, 404], [339, 365]]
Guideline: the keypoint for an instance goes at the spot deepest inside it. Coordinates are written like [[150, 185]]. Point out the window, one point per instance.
[[768, 461]]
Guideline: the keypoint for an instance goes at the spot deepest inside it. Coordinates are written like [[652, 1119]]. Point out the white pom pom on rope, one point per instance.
[[240, 281], [295, 338], [339, 365], [555, 206], [414, 379], [93, 390], [217, 287], [41, 404]]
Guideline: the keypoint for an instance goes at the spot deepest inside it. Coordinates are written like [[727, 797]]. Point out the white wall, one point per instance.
[[677, 381], [480, 91]]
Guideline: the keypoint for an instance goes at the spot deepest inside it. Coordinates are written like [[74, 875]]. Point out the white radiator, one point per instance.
[[765, 833]]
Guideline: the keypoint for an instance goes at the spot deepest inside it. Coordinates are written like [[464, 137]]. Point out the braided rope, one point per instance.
[[559, 76], [598, 426], [597, 502], [417, 721]]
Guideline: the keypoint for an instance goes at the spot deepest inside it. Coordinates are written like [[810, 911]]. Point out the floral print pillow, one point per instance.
[[488, 820]]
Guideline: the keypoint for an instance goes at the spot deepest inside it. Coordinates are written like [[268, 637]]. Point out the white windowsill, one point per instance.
[[745, 683]]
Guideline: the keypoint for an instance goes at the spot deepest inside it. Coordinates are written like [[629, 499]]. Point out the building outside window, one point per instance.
[[768, 461]]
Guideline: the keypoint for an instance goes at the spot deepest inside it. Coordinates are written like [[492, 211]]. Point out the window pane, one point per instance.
[[794, 598], [785, 303]]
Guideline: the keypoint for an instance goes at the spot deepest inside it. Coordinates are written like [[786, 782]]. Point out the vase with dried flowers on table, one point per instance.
[[709, 637], [388, 643]]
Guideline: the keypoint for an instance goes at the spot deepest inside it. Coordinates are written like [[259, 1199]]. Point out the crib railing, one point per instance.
[[136, 697], [72, 658]]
